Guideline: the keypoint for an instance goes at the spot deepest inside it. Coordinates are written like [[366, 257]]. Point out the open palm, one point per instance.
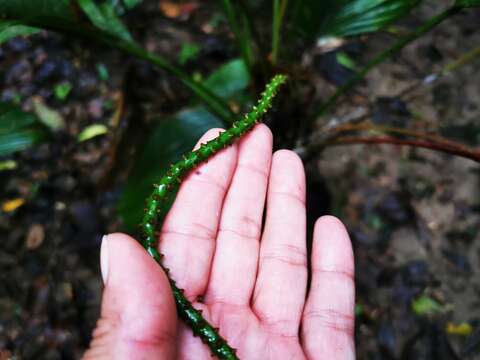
[[250, 276]]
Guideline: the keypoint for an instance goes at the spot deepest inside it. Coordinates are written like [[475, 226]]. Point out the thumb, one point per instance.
[[138, 317]]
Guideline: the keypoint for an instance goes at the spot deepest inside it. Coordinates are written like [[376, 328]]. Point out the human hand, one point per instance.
[[253, 282]]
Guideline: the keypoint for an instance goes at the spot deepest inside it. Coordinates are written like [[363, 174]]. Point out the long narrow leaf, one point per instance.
[[348, 17], [130, 4], [228, 79], [13, 118], [38, 11], [363, 16], [240, 28], [467, 3], [105, 18], [18, 129], [10, 29], [20, 140]]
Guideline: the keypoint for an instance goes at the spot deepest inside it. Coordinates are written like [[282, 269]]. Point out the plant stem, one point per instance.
[[420, 139], [399, 45], [279, 7], [458, 149], [368, 126], [242, 35], [212, 101], [193, 317], [465, 59]]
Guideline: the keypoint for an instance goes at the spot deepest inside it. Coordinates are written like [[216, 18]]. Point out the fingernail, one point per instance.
[[104, 258]]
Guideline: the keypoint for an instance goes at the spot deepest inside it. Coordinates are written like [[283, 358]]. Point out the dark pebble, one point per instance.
[[214, 47], [20, 72], [18, 44], [87, 84], [459, 261], [332, 70], [415, 273], [84, 215], [431, 52], [390, 111], [394, 207], [386, 338], [54, 70]]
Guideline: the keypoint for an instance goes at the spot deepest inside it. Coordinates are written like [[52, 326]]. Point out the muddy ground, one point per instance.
[[413, 214]]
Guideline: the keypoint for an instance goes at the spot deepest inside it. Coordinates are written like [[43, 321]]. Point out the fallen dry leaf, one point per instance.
[[462, 329], [35, 236], [12, 205], [173, 10], [5, 355]]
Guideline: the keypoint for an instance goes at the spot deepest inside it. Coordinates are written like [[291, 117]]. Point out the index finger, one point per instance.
[[187, 238]]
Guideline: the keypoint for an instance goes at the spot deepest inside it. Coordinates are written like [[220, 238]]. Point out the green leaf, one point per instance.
[[188, 52], [10, 29], [47, 116], [425, 305], [229, 79], [349, 17], [467, 3], [8, 165], [105, 18], [358, 310], [20, 140], [130, 4], [12, 118], [65, 15], [92, 131], [102, 72], [345, 60], [167, 143], [38, 11], [62, 90], [18, 129]]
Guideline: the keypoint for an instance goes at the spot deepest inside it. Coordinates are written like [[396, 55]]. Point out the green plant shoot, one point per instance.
[[176, 174]]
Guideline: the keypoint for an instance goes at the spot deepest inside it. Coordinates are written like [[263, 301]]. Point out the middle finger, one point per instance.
[[235, 261]]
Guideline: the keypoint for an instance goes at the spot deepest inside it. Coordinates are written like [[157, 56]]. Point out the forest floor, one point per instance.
[[413, 214]]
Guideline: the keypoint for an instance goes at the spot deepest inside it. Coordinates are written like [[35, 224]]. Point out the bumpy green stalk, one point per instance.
[[176, 174]]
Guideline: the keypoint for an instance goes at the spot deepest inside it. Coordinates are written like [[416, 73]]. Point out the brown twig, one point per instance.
[[450, 148], [371, 127]]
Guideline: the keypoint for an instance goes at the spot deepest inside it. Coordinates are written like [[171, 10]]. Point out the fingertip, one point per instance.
[[288, 162], [330, 223], [288, 156], [288, 174], [263, 133], [138, 317], [128, 262], [332, 246], [207, 136]]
